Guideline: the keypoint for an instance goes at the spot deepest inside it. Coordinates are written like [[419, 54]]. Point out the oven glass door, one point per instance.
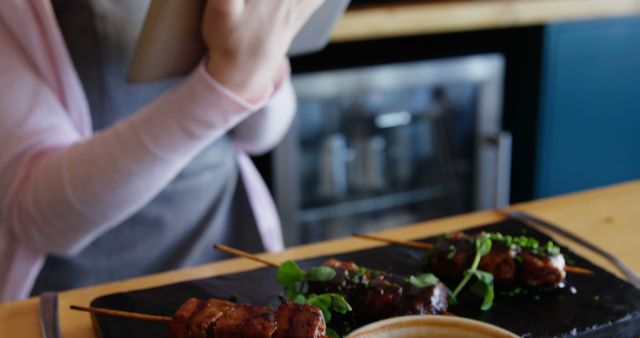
[[382, 146]]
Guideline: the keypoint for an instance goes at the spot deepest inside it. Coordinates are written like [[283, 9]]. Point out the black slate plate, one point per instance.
[[598, 305]]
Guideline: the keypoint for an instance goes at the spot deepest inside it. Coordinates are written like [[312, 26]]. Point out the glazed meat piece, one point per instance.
[[345, 265], [500, 263], [347, 281], [205, 319], [540, 270], [429, 301], [300, 321], [383, 298], [376, 294], [451, 256], [180, 325], [389, 295], [246, 321], [218, 318]]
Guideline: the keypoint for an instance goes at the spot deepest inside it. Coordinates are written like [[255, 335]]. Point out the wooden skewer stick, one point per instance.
[[408, 244], [577, 270], [244, 254], [123, 314], [426, 246]]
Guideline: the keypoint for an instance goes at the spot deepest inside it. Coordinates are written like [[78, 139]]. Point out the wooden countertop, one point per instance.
[[427, 17], [608, 217]]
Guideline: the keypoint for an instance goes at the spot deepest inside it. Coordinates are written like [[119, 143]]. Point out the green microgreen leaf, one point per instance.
[[293, 279], [332, 333], [361, 271], [329, 302], [339, 304], [451, 251], [483, 276], [299, 299], [526, 243], [322, 303], [293, 291], [423, 280], [487, 302], [552, 249], [483, 287], [483, 245], [484, 291], [320, 274], [289, 274]]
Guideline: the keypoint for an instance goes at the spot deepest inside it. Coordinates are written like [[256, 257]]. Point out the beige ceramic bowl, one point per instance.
[[430, 326]]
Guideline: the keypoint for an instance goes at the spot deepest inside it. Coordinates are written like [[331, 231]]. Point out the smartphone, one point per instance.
[[170, 42]]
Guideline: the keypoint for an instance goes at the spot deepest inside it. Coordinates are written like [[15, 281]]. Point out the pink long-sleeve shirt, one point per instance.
[[62, 186]]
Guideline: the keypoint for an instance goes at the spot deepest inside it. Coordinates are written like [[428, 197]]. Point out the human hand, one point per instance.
[[248, 40]]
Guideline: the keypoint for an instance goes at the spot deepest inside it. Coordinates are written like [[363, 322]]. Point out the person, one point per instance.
[[101, 180]]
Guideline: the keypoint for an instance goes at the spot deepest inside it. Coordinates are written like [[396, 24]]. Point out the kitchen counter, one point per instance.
[[609, 217], [426, 17]]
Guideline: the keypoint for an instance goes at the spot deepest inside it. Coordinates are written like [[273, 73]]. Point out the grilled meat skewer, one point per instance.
[[538, 270], [371, 294], [377, 295], [429, 247], [453, 255], [222, 319], [218, 318], [368, 290]]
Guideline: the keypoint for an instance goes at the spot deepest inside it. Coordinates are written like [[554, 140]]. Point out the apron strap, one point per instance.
[[262, 204]]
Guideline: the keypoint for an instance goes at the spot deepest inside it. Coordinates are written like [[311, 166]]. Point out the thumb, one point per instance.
[[227, 9]]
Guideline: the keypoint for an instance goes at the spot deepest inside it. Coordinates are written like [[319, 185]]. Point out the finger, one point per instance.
[[309, 5], [227, 9]]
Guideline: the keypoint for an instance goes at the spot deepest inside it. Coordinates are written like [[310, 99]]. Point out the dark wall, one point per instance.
[[590, 113]]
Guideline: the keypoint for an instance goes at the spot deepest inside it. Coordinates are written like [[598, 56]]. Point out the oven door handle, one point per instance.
[[503, 143]]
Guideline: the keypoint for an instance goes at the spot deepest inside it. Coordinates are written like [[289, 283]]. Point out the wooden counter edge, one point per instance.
[[415, 18]]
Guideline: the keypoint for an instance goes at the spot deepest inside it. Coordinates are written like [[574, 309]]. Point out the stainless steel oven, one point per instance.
[[379, 146]]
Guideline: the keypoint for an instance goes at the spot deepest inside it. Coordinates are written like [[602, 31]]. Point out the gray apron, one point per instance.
[[205, 204]]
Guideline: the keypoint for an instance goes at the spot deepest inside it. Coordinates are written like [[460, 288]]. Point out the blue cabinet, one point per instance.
[[589, 127]]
